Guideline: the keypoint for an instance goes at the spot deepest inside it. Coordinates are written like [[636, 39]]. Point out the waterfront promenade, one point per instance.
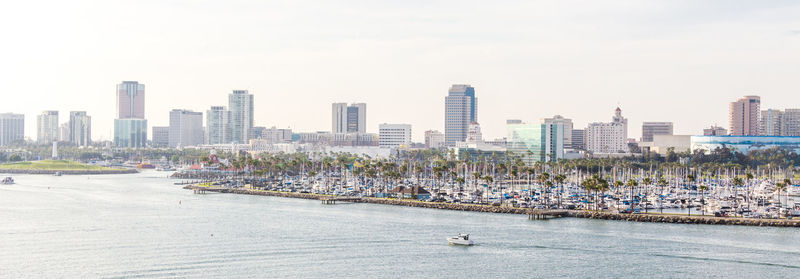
[[656, 218]]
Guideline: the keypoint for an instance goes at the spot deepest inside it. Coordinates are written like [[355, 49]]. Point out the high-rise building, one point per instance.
[[130, 133], [80, 128], [349, 118], [567, 130], [130, 127], [744, 116], [394, 135], [790, 123], [240, 103], [434, 139], [578, 139], [771, 122], [609, 137], [130, 100], [655, 128], [461, 109], [47, 127], [160, 136], [715, 131], [12, 128], [218, 127], [185, 128], [536, 142]]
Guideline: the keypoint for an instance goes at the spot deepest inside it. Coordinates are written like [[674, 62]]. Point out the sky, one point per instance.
[[672, 60]]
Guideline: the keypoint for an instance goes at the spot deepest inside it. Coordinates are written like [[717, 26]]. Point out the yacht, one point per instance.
[[58, 173], [6, 181], [461, 239]]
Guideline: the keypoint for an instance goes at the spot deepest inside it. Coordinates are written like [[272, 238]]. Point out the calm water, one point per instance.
[[143, 226]]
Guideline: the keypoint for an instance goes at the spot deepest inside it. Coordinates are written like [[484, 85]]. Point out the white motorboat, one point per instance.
[[6, 181], [461, 239]]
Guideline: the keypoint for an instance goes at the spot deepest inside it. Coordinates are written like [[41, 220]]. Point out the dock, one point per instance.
[[539, 214], [333, 200]]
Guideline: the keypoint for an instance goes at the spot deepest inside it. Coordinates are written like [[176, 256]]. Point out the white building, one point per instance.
[[240, 103], [12, 128], [394, 135], [566, 125], [218, 125], [434, 139], [80, 128], [608, 137], [185, 128], [47, 127]]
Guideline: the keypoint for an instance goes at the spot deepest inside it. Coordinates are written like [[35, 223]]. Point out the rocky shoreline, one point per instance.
[[652, 218], [68, 172]]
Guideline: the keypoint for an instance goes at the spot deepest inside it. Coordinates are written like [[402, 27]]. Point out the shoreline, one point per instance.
[[650, 218], [68, 172]]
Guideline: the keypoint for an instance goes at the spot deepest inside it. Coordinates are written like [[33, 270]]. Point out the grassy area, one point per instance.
[[55, 165]]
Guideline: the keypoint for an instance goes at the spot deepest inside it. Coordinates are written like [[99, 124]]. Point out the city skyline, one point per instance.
[[526, 61]]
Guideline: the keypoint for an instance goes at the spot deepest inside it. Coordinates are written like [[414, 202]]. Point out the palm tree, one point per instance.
[[703, 188], [559, 179]]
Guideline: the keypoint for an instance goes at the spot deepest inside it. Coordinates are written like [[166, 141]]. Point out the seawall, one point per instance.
[[653, 218]]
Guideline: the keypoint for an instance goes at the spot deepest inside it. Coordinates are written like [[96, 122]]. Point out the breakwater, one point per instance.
[[69, 172], [653, 218]]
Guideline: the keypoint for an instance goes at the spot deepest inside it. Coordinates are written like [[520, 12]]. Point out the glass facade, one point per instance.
[[130, 133], [526, 141], [745, 144]]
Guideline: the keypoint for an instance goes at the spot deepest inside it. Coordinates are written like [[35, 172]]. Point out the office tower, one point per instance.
[[567, 128], [394, 135], [554, 139], [130, 133], [434, 139], [578, 139], [160, 136], [130, 127], [771, 122], [349, 119], [12, 128], [744, 116], [611, 137], [218, 129], [240, 103], [655, 128], [185, 128], [715, 131], [47, 127], [80, 128], [461, 109], [130, 100]]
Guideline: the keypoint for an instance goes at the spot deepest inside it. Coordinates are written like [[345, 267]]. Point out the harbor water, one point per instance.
[[141, 225]]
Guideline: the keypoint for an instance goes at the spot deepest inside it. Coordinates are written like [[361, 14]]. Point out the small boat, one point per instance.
[[58, 173], [7, 181], [461, 239]]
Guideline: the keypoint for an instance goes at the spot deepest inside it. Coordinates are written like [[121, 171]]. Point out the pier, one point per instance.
[[333, 200], [546, 214]]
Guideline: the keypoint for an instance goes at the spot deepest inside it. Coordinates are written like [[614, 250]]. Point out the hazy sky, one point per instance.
[[680, 61]]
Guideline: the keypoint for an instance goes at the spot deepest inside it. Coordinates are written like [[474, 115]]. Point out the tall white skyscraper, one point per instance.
[[218, 126], [460, 111], [80, 128], [47, 127], [349, 118], [240, 103], [185, 128], [566, 129]]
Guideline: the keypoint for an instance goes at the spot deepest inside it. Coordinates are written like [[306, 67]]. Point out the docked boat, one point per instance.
[[58, 173], [7, 181], [460, 239]]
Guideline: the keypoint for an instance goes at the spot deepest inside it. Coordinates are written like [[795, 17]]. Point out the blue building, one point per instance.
[[745, 144]]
